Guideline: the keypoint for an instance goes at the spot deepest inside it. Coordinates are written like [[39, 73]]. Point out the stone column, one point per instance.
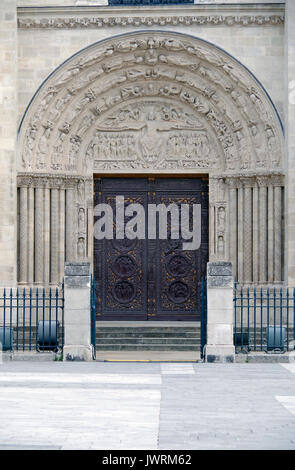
[[70, 227], [233, 223], [77, 282], [31, 225], [270, 230], [262, 182], [61, 233], [240, 232], [54, 228], [39, 234], [23, 235], [8, 124], [220, 313], [46, 233], [277, 229], [247, 229], [255, 235], [290, 136]]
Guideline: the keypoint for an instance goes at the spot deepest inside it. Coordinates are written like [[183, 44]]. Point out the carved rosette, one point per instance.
[[156, 102]]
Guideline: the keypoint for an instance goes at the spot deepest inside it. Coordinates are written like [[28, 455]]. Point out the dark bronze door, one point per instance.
[[150, 279]]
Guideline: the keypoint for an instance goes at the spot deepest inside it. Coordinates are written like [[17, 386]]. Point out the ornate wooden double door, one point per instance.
[[150, 279]]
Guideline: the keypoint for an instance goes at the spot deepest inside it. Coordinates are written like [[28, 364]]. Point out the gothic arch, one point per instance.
[[151, 102]]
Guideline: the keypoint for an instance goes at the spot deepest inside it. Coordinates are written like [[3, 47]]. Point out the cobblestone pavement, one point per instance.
[[147, 406]]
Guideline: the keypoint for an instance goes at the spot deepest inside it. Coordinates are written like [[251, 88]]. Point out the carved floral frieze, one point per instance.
[[184, 20]]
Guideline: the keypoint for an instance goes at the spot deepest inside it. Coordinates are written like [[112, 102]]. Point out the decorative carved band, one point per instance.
[[100, 22], [265, 180], [50, 181]]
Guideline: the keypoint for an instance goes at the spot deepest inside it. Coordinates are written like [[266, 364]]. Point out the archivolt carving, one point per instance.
[[142, 101]]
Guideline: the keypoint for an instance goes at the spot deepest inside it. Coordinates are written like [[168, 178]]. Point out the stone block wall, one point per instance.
[[8, 114]]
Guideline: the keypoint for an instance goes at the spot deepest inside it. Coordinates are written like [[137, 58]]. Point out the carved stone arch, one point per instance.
[[197, 90], [150, 102]]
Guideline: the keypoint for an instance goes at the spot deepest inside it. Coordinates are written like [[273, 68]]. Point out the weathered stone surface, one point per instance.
[[219, 281], [77, 269], [219, 268]]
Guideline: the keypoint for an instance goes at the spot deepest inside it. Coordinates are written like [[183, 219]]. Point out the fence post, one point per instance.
[[77, 324], [220, 314]]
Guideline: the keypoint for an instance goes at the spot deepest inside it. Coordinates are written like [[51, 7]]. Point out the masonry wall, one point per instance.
[[290, 139], [8, 113]]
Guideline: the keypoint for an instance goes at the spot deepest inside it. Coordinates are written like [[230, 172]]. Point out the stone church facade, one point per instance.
[[188, 90]]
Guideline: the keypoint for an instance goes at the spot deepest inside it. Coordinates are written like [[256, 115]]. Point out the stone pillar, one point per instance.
[[290, 136], [46, 234], [39, 234], [278, 231], [31, 232], [270, 229], [23, 236], [70, 228], [247, 229], [8, 123], [240, 232], [61, 253], [262, 182], [255, 235], [220, 313], [77, 283], [54, 236], [233, 223]]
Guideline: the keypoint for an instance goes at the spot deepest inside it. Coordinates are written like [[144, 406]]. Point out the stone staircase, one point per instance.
[[148, 336]]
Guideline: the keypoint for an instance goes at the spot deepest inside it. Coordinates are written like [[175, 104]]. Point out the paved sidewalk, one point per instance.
[[146, 406]]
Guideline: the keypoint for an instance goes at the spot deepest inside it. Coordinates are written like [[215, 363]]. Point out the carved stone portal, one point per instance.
[[153, 103]]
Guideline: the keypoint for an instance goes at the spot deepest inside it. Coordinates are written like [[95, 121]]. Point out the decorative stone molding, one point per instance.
[[151, 103], [123, 21], [50, 181]]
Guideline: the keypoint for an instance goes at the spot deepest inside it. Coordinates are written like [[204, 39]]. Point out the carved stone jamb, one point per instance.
[[213, 186]]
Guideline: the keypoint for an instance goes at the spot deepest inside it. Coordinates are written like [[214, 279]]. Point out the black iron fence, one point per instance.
[[32, 319], [264, 319]]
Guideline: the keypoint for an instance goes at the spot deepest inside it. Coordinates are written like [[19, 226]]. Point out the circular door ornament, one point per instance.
[[178, 265], [124, 292], [124, 266], [178, 292], [124, 245]]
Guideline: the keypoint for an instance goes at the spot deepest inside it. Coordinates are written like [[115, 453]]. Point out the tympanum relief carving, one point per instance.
[[156, 102]]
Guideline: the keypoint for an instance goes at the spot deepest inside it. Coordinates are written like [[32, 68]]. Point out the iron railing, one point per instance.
[[32, 319], [203, 315], [264, 319]]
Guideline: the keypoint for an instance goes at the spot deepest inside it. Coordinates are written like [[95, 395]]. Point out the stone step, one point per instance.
[[147, 347], [148, 334], [147, 340]]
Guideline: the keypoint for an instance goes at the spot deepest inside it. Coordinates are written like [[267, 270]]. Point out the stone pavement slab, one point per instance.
[[146, 406]]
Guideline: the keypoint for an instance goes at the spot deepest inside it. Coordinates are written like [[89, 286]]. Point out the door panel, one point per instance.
[[150, 279]]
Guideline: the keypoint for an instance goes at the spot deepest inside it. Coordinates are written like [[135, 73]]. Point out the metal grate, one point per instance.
[[264, 319], [32, 319]]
